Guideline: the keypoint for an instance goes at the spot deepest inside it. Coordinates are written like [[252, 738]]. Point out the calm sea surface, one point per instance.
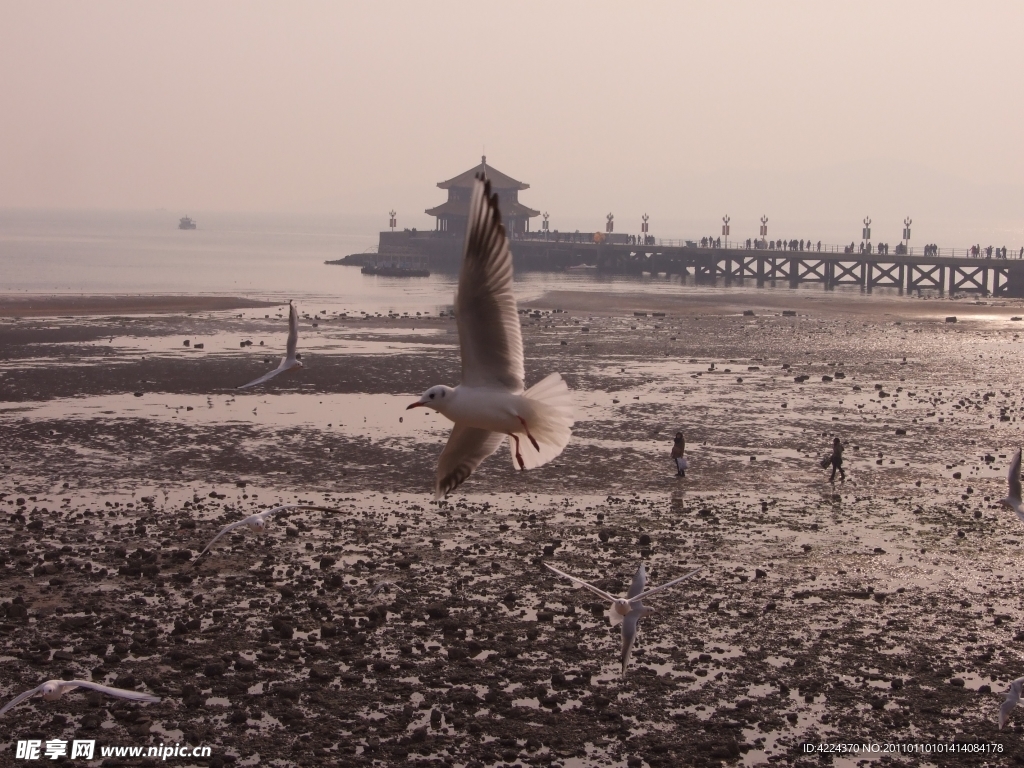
[[266, 256]]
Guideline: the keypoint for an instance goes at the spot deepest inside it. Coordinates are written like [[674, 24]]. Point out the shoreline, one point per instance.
[[47, 305], [699, 303]]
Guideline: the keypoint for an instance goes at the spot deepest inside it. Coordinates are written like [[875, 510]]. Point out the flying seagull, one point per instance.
[[257, 522], [491, 403], [627, 610], [52, 690], [1013, 695], [290, 361], [1013, 498]]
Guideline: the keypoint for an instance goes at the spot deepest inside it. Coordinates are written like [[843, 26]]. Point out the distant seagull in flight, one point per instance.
[[52, 690], [629, 610], [257, 522], [490, 404], [1013, 498], [1012, 696], [290, 361]]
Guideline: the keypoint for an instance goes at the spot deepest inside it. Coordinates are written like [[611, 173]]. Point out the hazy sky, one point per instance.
[[812, 113]]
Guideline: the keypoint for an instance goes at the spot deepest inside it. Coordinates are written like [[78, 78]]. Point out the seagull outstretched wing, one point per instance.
[[467, 447], [581, 583], [253, 518], [1013, 476], [289, 360], [21, 697], [485, 307], [119, 692], [667, 584], [293, 333]]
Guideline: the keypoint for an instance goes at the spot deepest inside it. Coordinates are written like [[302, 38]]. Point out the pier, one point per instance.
[[788, 263], [948, 275], [908, 273]]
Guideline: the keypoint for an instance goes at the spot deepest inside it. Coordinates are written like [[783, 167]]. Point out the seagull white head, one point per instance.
[[258, 524], [437, 398], [51, 691]]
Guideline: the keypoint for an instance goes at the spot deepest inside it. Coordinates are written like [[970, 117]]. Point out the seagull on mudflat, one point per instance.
[[627, 610], [52, 690], [490, 404], [257, 522], [1012, 696], [291, 360], [384, 585], [1013, 498]]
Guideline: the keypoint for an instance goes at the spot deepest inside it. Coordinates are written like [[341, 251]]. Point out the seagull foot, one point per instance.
[[519, 456], [536, 446]]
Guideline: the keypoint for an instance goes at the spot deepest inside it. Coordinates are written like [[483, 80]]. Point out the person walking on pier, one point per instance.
[[678, 449], [836, 462]]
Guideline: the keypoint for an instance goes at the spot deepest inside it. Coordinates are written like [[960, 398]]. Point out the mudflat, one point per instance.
[[883, 609]]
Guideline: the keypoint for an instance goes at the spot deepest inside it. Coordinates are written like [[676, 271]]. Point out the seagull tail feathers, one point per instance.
[[550, 421]]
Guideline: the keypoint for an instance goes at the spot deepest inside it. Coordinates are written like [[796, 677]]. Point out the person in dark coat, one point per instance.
[[678, 449], [837, 461]]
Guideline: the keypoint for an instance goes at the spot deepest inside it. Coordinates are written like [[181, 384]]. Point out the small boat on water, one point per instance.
[[186, 223], [582, 268]]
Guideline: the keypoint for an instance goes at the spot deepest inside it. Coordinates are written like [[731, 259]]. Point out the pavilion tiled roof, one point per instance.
[[498, 179], [461, 208]]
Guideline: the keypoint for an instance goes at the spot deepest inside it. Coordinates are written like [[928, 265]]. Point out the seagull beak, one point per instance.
[[417, 404]]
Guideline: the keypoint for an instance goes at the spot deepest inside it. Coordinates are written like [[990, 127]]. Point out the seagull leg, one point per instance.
[[519, 456], [522, 421]]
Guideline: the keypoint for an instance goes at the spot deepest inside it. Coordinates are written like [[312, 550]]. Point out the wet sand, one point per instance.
[[883, 610]]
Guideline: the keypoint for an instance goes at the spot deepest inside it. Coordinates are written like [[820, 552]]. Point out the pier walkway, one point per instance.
[[986, 276]]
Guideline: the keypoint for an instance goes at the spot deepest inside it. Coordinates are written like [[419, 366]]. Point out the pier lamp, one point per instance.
[[610, 226], [544, 224], [643, 227], [866, 234], [725, 229], [906, 229], [393, 222], [764, 228]]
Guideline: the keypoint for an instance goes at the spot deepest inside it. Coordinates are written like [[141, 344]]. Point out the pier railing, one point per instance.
[[928, 251]]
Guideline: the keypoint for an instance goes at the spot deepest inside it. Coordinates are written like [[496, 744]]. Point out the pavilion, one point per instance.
[[453, 213]]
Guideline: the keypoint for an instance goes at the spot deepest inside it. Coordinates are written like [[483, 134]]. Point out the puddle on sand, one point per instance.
[[373, 416]]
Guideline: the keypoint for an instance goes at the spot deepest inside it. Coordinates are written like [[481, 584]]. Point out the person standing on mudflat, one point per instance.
[[678, 449], [837, 461]]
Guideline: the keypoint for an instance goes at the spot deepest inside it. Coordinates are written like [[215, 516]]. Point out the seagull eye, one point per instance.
[[431, 395]]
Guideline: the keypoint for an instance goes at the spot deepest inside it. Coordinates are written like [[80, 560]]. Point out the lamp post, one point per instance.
[[725, 229], [610, 226], [393, 222], [866, 233], [643, 227], [764, 230], [906, 232]]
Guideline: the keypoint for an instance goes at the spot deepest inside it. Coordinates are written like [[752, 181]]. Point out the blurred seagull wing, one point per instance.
[[667, 584], [225, 529], [581, 583], [467, 447], [265, 377], [629, 627], [293, 331], [638, 583], [1014, 477], [20, 698], [120, 692], [485, 307]]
